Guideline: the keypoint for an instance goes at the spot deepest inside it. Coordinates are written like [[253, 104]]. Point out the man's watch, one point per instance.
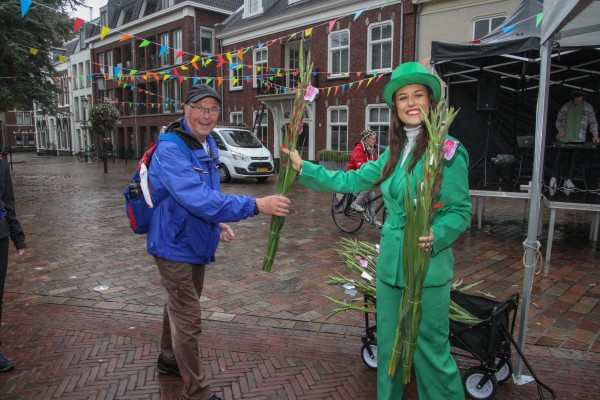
[[256, 211]]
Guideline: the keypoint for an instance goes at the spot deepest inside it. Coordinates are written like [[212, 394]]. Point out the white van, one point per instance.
[[242, 155]]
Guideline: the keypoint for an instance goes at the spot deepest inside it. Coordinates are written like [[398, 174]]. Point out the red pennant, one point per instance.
[[78, 23]]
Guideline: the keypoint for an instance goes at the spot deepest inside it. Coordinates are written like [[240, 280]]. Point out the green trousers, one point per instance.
[[435, 369]]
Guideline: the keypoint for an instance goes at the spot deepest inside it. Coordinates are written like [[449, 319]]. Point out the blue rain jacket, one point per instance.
[[189, 204]]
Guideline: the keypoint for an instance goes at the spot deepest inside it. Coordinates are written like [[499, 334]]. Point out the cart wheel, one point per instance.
[[371, 362], [472, 378], [504, 372]]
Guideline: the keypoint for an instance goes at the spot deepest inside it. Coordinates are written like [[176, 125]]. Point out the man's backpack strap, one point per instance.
[[173, 137], [143, 166]]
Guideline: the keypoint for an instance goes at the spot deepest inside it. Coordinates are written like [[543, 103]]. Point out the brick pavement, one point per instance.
[[267, 335]]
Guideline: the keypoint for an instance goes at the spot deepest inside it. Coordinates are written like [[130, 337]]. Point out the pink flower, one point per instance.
[[450, 147], [311, 93]]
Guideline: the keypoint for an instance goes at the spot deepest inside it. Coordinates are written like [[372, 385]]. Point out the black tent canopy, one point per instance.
[[495, 83]]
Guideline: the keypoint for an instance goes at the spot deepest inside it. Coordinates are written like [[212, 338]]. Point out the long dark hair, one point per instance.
[[397, 137]]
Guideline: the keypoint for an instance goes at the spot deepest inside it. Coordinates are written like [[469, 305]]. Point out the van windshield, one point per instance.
[[239, 138]]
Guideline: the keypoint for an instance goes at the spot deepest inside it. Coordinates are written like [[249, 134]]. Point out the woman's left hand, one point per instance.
[[426, 241]]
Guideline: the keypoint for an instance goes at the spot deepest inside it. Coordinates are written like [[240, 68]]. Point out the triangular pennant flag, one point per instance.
[[144, 43], [125, 37], [180, 54], [331, 23], [328, 91], [163, 50], [507, 29], [195, 80], [25, 4], [62, 59], [358, 14], [181, 78], [132, 72], [209, 80], [184, 68], [308, 32], [240, 55], [229, 58], [221, 60], [369, 81], [343, 88], [33, 51], [219, 81], [336, 90], [78, 23], [104, 32], [538, 19], [117, 71]]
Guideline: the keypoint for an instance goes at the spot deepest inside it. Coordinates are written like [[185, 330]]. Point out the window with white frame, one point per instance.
[[101, 63], [483, 26], [262, 131], [207, 40], [339, 53], [338, 128], [23, 117], [74, 76], [177, 96], [164, 41], [166, 94], [88, 79], [380, 47], [236, 74], [260, 62], [177, 46], [236, 117], [167, 3], [110, 62], [378, 120], [252, 7]]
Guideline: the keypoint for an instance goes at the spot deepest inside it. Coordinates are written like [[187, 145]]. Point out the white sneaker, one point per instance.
[[357, 207], [553, 182]]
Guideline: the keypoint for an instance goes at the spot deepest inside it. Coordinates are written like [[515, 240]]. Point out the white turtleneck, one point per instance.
[[411, 136]]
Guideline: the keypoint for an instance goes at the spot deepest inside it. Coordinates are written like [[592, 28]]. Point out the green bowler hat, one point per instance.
[[411, 73]]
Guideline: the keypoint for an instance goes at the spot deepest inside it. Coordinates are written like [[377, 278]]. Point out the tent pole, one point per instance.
[[531, 244]]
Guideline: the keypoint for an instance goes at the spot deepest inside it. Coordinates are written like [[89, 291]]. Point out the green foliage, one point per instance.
[[333, 156], [46, 27], [104, 118]]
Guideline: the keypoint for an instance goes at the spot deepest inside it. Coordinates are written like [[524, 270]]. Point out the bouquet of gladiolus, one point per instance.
[[420, 208], [305, 94], [360, 258]]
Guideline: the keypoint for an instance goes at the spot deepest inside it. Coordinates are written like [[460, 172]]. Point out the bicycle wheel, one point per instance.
[[94, 156], [80, 156], [349, 221]]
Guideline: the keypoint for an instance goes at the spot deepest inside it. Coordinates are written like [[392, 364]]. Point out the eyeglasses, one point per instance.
[[214, 111]]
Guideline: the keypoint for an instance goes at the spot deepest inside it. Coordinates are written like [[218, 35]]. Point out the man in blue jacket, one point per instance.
[[189, 220]]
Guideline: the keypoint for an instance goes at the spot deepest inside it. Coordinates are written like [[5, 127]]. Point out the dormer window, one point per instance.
[[252, 7]]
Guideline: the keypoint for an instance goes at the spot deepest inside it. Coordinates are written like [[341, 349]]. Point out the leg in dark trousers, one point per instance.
[[180, 342], [3, 268]]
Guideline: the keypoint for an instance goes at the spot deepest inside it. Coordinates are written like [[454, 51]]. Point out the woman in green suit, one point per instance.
[[410, 88]]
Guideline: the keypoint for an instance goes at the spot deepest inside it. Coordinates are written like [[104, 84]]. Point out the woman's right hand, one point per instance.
[[294, 158]]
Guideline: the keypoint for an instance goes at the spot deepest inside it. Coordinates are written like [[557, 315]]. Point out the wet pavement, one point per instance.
[[83, 306]]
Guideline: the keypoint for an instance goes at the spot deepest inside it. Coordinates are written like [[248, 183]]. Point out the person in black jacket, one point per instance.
[[9, 228]]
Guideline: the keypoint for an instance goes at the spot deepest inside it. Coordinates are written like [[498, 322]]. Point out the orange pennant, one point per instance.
[[125, 37]]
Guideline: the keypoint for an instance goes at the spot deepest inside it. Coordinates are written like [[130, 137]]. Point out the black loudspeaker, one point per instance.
[[488, 87]]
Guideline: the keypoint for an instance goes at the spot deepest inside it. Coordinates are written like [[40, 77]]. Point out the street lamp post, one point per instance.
[[84, 106]]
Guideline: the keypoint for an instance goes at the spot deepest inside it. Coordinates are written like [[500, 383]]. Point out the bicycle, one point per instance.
[[92, 155], [349, 220]]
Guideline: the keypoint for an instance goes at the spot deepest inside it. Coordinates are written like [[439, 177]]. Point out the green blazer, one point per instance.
[[450, 221]]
